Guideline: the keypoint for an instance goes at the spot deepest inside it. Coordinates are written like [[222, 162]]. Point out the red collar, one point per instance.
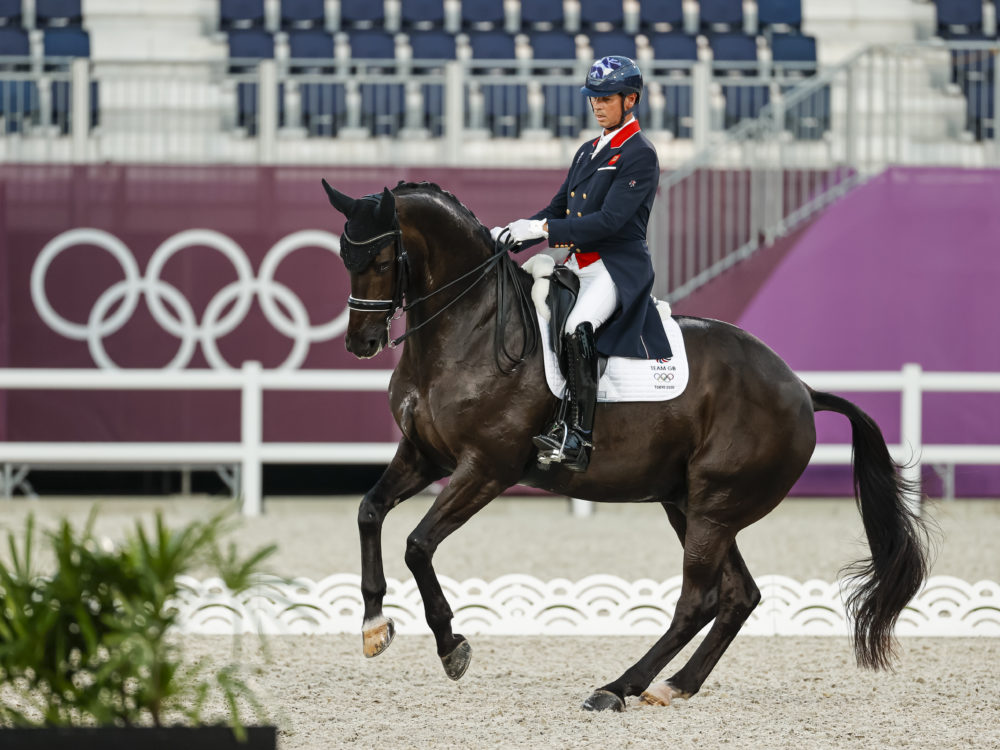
[[624, 134]]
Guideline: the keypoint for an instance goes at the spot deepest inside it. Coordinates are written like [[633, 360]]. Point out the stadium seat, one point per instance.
[[302, 14], [55, 13], [785, 15], [362, 14], [504, 106], [651, 14], [241, 14], [741, 100], [552, 45], [959, 18], [601, 12], [58, 44], [675, 47], [422, 14], [313, 44], [794, 58], [10, 13], [245, 47], [604, 43], [382, 105], [564, 107], [482, 14], [434, 46], [324, 105], [980, 108], [543, 14], [721, 15], [14, 42]]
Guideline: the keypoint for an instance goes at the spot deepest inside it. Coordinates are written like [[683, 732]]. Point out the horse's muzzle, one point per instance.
[[366, 341]]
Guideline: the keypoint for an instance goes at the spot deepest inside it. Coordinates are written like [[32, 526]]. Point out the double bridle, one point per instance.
[[358, 255]]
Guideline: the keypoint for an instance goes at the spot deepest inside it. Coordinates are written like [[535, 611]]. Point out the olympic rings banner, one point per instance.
[[194, 267]]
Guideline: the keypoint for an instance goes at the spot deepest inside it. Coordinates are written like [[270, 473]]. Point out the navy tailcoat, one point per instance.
[[603, 206]]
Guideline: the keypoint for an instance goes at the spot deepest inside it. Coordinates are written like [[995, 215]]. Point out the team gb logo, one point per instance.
[[604, 67]]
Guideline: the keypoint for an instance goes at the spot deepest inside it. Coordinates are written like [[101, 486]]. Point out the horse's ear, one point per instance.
[[386, 207], [343, 203]]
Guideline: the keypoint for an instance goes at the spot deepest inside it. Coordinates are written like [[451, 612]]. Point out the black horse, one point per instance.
[[719, 457]]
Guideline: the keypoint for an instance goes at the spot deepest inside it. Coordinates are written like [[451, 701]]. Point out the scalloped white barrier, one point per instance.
[[595, 605]]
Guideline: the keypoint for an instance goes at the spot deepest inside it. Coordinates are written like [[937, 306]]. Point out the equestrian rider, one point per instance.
[[596, 224]]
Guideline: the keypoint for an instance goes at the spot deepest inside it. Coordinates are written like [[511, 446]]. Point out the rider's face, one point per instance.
[[608, 109]]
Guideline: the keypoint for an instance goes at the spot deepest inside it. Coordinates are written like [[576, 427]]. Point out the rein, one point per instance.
[[506, 279]]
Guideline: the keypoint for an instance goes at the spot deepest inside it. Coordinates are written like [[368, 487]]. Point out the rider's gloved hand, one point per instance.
[[496, 232], [524, 230]]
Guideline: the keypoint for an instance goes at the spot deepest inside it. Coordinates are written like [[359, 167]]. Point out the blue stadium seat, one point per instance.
[[14, 42], [314, 44], [58, 43], [10, 13], [432, 45], [505, 106], [980, 108], [324, 105], [241, 14], [547, 14], [785, 14], [742, 101], [54, 13], [606, 43], [302, 14], [362, 14], [422, 14], [959, 18], [246, 46], [677, 105], [552, 45], [794, 58], [565, 108], [719, 15], [594, 12], [482, 14], [662, 12], [382, 105]]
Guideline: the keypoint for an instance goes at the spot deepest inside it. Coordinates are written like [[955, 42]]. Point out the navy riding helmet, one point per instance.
[[613, 74]]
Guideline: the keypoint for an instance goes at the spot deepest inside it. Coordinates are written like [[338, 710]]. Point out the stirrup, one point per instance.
[[550, 445]]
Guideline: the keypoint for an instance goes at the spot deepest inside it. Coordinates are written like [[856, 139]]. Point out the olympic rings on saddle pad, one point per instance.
[[172, 310]]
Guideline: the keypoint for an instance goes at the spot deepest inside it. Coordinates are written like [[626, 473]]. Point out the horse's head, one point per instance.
[[371, 248]]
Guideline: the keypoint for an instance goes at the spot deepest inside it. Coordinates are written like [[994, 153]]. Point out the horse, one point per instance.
[[718, 457]]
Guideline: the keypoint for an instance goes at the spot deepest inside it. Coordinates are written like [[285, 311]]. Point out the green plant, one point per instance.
[[90, 645]]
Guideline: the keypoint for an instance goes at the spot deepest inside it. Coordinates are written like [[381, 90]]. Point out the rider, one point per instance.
[[596, 223]]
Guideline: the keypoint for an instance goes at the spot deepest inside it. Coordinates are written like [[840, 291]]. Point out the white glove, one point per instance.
[[539, 265], [496, 232], [524, 230]]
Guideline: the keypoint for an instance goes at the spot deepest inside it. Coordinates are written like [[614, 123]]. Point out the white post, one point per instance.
[[267, 111], [911, 429], [251, 437], [581, 508], [701, 79], [80, 107], [454, 112]]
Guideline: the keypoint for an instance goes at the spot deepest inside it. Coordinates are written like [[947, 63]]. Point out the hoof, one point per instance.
[[660, 694], [603, 700], [458, 660], [377, 633]]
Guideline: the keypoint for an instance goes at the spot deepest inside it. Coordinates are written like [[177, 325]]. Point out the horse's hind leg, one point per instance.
[[706, 546], [406, 475], [738, 596]]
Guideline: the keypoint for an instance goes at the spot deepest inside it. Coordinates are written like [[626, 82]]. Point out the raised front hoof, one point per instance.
[[603, 700], [458, 660], [377, 635]]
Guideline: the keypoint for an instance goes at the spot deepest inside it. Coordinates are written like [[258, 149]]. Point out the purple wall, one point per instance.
[[903, 269]]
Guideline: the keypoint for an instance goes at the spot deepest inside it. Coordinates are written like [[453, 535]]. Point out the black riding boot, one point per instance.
[[569, 442]]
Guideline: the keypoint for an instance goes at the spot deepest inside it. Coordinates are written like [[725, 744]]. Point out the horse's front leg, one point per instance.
[[407, 474], [467, 493]]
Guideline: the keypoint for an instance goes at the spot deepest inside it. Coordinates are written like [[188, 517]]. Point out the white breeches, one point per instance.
[[598, 295]]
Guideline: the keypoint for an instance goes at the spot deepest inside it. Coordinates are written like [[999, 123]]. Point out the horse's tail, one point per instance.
[[883, 584]]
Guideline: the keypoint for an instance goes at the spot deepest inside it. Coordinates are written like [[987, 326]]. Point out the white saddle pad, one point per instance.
[[631, 379]]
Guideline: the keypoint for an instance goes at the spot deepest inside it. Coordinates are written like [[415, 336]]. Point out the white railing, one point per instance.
[[251, 452]]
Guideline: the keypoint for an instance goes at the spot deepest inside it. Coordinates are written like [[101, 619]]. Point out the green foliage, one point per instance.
[[90, 644]]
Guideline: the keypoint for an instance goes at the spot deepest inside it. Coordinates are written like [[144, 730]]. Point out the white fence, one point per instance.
[[251, 452]]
